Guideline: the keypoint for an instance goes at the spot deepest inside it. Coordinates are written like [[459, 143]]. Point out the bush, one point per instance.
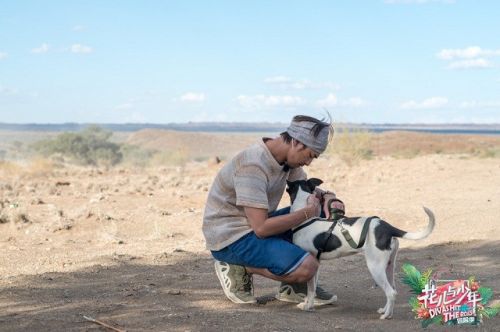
[[89, 147], [177, 157], [351, 145], [135, 156]]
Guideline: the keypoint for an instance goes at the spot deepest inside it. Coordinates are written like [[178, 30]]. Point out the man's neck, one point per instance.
[[278, 148]]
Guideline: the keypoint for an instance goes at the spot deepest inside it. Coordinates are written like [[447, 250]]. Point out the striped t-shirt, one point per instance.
[[253, 178]]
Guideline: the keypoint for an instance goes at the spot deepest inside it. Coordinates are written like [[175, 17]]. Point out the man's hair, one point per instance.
[[316, 129]]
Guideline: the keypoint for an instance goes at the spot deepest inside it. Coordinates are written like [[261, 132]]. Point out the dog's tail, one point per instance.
[[424, 233]]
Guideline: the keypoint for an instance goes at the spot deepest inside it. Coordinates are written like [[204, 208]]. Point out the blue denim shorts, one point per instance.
[[276, 253]]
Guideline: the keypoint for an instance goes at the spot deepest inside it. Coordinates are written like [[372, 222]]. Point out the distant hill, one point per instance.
[[394, 143], [493, 129], [193, 145]]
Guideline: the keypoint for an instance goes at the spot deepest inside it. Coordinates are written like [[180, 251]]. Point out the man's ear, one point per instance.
[[314, 182], [302, 145], [298, 143]]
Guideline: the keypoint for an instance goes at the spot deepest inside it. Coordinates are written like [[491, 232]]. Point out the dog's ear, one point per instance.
[[292, 190], [291, 186], [313, 183]]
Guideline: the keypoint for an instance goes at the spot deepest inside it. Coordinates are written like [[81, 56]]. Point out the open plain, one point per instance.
[[123, 244]]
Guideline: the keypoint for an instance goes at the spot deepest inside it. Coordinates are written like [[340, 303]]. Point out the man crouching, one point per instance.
[[243, 229]]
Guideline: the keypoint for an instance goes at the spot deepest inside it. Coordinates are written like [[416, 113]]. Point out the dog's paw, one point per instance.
[[305, 307], [381, 310], [386, 316]]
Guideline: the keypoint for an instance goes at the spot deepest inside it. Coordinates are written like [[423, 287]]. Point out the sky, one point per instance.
[[363, 61]]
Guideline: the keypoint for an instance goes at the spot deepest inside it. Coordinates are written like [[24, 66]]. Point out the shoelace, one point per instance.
[[247, 284]]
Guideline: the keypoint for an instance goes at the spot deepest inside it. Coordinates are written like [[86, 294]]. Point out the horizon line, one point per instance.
[[250, 123]]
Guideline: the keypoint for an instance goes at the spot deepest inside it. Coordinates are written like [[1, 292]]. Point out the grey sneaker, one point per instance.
[[296, 293], [236, 282]]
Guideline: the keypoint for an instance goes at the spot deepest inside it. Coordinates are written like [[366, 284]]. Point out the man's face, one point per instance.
[[300, 155]]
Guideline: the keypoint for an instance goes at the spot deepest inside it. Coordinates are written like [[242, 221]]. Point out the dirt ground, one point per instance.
[[125, 246]]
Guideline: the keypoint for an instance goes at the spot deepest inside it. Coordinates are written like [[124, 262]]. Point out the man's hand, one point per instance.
[[325, 198], [314, 205]]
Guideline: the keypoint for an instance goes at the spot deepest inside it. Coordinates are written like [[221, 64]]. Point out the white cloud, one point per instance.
[[124, 106], [259, 101], [79, 48], [429, 103], [418, 2], [469, 64], [466, 53], [329, 101], [3, 55], [44, 48], [288, 83], [471, 57], [479, 104], [353, 102], [193, 97]]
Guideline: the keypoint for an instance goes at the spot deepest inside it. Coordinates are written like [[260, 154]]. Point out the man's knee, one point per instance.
[[305, 271]]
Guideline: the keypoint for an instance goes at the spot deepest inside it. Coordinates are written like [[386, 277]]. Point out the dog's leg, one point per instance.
[[389, 271], [377, 261], [308, 303], [391, 266]]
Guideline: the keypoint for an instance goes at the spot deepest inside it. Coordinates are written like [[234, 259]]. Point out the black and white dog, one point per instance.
[[330, 239]]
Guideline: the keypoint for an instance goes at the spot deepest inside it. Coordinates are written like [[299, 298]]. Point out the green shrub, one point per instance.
[[88, 147]]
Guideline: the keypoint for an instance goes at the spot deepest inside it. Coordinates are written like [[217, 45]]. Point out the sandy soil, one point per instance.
[[125, 246]]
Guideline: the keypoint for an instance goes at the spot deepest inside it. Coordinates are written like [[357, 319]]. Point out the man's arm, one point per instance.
[[264, 226]]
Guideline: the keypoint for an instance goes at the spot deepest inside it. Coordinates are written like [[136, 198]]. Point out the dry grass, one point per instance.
[[351, 146], [37, 167], [402, 144], [10, 169], [200, 146], [177, 157]]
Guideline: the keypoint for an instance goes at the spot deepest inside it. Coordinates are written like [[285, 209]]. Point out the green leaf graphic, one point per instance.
[[424, 279], [437, 320], [414, 304], [490, 312], [486, 294], [426, 322], [412, 277]]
